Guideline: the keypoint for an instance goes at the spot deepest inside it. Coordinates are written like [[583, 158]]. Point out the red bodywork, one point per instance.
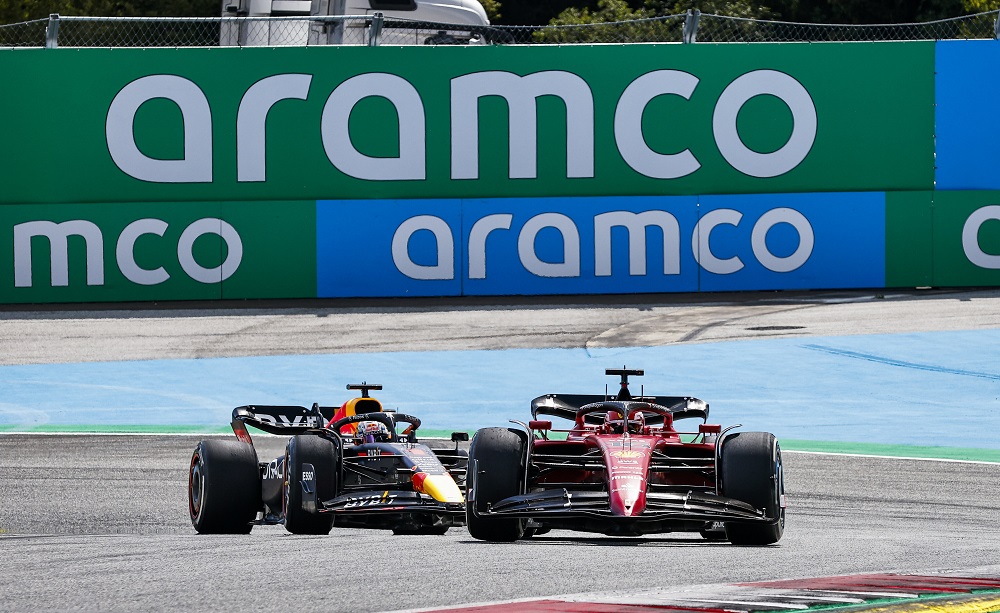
[[631, 463]]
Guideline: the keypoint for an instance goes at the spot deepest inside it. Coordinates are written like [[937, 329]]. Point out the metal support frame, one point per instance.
[[52, 32], [375, 30], [690, 34]]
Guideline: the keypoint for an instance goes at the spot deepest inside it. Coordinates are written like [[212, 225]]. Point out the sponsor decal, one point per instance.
[[151, 251], [284, 421], [308, 475], [970, 237], [57, 237], [601, 245], [374, 500], [275, 469], [521, 94], [166, 124]]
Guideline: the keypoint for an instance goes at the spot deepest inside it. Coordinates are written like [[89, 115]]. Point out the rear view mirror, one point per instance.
[[459, 436]]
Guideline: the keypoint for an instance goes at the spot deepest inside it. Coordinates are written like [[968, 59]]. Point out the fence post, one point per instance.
[[996, 27], [690, 34], [52, 32], [375, 31]]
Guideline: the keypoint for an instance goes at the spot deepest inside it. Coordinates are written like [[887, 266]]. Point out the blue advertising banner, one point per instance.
[[580, 245], [967, 125], [613, 245], [791, 241], [388, 248]]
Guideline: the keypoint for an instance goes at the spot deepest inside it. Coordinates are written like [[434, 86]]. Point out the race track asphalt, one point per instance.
[[98, 522]]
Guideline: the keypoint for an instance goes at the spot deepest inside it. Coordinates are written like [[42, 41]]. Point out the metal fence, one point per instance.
[[692, 27]]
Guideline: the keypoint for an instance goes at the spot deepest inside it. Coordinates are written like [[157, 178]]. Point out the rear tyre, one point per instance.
[[223, 487], [498, 454], [322, 454], [752, 472]]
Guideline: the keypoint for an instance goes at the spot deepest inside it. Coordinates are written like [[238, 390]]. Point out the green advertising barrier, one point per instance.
[[966, 238], [220, 124], [141, 251], [909, 239]]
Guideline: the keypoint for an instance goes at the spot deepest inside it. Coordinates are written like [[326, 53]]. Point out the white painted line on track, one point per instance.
[[776, 605], [875, 594]]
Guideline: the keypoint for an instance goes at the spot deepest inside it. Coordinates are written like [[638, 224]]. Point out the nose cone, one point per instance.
[[439, 487], [628, 496], [627, 461]]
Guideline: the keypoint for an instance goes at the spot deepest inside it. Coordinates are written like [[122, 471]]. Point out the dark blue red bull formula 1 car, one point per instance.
[[624, 468], [356, 466]]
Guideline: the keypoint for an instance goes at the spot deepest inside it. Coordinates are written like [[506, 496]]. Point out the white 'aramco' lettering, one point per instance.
[[702, 249], [335, 124], [251, 121], [125, 252], [57, 235], [628, 125], [636, 224], [195, 270], [445, 267], [570, 266], [477, 241], [970, 237], [521, 94], [196, 165], [759, 243], [727, 137]]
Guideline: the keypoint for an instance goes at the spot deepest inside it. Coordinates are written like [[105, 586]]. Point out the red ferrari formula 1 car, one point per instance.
[[624, 469], [356, 466]]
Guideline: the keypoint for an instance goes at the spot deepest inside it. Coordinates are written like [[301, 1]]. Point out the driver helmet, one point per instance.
[[637, 423], [614, 422], [372, 432]]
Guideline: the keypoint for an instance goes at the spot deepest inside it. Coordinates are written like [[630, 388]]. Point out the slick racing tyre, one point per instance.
[[322, 454], [752, 472], [497, 454], [223, 487]]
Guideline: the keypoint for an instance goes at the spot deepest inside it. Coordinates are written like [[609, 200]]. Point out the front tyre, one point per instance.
[[497, 454], [223, 487], [322, 454], [752, 472]]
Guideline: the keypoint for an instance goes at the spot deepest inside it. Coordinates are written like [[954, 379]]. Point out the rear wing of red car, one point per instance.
[[565, 406]]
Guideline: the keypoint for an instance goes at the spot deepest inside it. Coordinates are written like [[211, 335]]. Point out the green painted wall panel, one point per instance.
[[967, 238], [909, 239], [873, 106], [160, 251]]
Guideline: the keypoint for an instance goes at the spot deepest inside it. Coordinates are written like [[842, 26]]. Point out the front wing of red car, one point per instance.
[[666, 506]]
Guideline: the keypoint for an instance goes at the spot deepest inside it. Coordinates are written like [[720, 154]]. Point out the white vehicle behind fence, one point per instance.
[[351, 22]]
